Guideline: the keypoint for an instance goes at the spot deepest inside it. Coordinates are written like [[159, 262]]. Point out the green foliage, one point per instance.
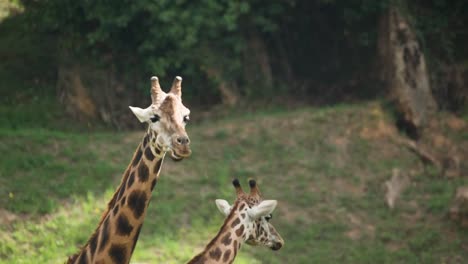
[[195, 38], [243, 44], [7, 7], [163, 37], [441, 25]]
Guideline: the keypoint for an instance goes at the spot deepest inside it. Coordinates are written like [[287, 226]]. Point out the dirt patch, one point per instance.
[[7, 217], [359, 228], [289, 213], [394, 246], [440, 141], [378, 130], [341, 186], [456, 123]]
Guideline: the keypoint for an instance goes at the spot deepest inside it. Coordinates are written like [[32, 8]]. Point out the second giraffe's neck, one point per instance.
[[116, 236], [223, 248]]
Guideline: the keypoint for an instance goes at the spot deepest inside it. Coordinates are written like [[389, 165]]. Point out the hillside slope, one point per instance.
[[325, 166]]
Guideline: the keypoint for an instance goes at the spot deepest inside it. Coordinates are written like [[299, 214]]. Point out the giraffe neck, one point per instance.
[[224, 246], [117, 233]]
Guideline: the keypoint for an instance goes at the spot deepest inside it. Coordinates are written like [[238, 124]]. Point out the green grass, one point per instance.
[[317, 162]]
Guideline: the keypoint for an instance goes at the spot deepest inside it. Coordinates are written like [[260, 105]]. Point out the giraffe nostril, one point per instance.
[[184, 140]]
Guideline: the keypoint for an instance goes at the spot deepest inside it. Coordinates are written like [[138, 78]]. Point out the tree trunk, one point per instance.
[[91, 93], [257, 67], [228, 92], [404, 72]]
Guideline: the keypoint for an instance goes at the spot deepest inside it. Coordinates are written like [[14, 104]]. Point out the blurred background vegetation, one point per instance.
[[253, 71], [229, 52]]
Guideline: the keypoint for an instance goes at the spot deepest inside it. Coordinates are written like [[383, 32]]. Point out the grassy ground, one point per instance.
[[326, 167]]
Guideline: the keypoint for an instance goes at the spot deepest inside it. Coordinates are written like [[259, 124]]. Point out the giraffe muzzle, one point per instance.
[[180, 147], [277, 246]]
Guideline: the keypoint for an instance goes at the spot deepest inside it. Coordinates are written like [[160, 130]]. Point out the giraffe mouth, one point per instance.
[[179, 156]]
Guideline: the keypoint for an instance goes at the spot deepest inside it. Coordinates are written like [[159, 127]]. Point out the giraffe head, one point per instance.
[[251, 216], [166, 118]]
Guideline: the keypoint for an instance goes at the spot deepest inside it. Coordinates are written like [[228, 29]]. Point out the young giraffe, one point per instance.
[[117, 233], [247, 221]]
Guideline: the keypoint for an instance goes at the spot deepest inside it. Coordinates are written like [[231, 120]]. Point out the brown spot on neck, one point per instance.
[[146, 139], [104, 235], [226, 240], [143, 172], [137, 157], [137, 202], [240, 231], [215, 254], [226, 255], [235, 222], [118, 254], [149, 154], [242, 207]]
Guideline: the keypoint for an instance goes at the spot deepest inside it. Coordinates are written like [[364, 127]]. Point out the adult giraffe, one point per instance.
[[115, 238]]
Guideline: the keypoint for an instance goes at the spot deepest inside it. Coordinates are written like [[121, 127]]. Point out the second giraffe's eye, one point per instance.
[[155, 118], [186, 119], [268, 217]]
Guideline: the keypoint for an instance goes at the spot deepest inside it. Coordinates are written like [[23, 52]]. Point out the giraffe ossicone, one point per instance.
[[247, 221], [117, 233]]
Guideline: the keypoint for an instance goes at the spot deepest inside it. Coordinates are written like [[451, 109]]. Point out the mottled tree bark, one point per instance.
[[405, 73], [93, 93]]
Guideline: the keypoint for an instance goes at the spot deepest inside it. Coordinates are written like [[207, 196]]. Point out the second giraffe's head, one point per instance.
[[252, 216], [167, 117]]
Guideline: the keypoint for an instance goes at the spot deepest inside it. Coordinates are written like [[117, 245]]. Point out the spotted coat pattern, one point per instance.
[[238, 228], [119, 228]]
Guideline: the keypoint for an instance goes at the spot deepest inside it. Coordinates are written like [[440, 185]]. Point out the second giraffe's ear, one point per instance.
[[223, 206], [143, 115], [264, 208]]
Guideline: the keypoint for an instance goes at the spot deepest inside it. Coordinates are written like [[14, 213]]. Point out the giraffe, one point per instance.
[[117, 233], [247, 220]]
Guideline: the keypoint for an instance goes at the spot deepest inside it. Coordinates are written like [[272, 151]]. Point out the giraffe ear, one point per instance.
[[264, 208], [223, 206], [143, 115]]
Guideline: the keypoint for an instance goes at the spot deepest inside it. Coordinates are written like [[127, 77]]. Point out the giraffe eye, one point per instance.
[[186, 119], [268, 217], [155, 118]]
